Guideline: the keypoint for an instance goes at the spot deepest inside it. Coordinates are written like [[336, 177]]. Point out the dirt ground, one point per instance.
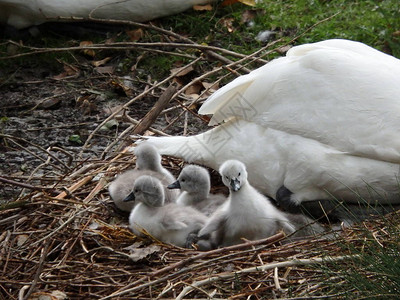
[[48, 107]]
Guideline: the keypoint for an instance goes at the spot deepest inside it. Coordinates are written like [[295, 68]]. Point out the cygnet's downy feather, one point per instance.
[[247, 213], [321, 122], [194, 182], [169, 223], [148, 162]]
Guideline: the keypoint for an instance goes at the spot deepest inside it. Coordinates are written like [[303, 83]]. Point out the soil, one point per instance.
[[43, 107]]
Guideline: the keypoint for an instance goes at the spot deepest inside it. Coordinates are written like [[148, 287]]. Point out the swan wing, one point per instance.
[[341, 93]]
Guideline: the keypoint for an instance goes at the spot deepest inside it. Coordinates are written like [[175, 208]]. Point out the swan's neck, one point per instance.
[[191, 198]]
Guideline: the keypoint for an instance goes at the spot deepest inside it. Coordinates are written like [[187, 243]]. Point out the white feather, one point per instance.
[[322, 121]]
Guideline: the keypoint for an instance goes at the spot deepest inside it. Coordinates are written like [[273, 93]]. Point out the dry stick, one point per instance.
[[130, 46], [179, 264], [37, 146], [133, 286], [74, 187], [24, 185], [152, 115], [70, 219], [40, 266], [125, 106], [262, 268]]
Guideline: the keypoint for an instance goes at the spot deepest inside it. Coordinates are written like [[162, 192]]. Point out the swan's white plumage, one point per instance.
[[22, 13], [340, 93], [247, 214], [148, 162], [194, 182], [170, 223], [325, 118]]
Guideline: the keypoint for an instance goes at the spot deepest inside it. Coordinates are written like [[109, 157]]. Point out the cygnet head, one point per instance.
[[193, 179], [147, 157], [148, 190], [234, 174]]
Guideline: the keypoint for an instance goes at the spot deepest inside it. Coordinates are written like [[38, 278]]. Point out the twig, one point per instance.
[[262, 268], [25, 185], [180, 264], [150, 117], [40, 266], [126, 105], [35, 145]]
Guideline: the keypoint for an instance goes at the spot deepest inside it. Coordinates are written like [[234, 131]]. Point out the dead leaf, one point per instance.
[[181, 71], [136, 253], [21, 239], [125, 85], [207, 7], [194, 89], [105, 70], [228, 24], [396, 33], [248, 15], [50, 103], [89, 52], [246, 2], [210, 88], [54, 295], [69, 70], [135, 35], [283, 49], [99, 63]]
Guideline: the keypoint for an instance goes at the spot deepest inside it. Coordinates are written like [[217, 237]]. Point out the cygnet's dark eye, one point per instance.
[[136, 190], [239, 174], [183, 179], [226, 177]]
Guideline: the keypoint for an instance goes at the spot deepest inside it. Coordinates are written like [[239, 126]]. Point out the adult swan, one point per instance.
[[323, 121]]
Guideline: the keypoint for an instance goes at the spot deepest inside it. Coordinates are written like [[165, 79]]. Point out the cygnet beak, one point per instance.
[[235, 184], [175, 185], [130, 197]]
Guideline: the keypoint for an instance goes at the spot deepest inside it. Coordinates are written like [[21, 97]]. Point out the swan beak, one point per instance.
[[235, 184], [175, 185], [130, 197]]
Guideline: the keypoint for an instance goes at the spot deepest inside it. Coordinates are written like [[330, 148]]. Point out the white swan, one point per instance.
[[148, 162], [194, 182], [170, 223], [23, 13], [247, 213], [322, 121]]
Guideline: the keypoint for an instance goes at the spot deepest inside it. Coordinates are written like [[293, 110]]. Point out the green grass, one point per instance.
[[374, 272]]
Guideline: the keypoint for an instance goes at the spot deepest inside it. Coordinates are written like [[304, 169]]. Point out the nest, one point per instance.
[[65, 239]]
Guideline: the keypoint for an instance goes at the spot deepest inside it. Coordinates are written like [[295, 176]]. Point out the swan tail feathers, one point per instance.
[[222, 103]]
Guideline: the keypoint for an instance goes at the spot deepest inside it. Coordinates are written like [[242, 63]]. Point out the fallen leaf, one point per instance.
[[54, 295], [210, 88], [248, 15], [125, 85], [228, 24], [50, 103], [21, 239], [181, 71], [283, 49], [246, 2], [194, 89], [396, 33], [69, 70], [135, 35], [89, 52], [99, 63], [202, 7], [136, 253], [105, 70]]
